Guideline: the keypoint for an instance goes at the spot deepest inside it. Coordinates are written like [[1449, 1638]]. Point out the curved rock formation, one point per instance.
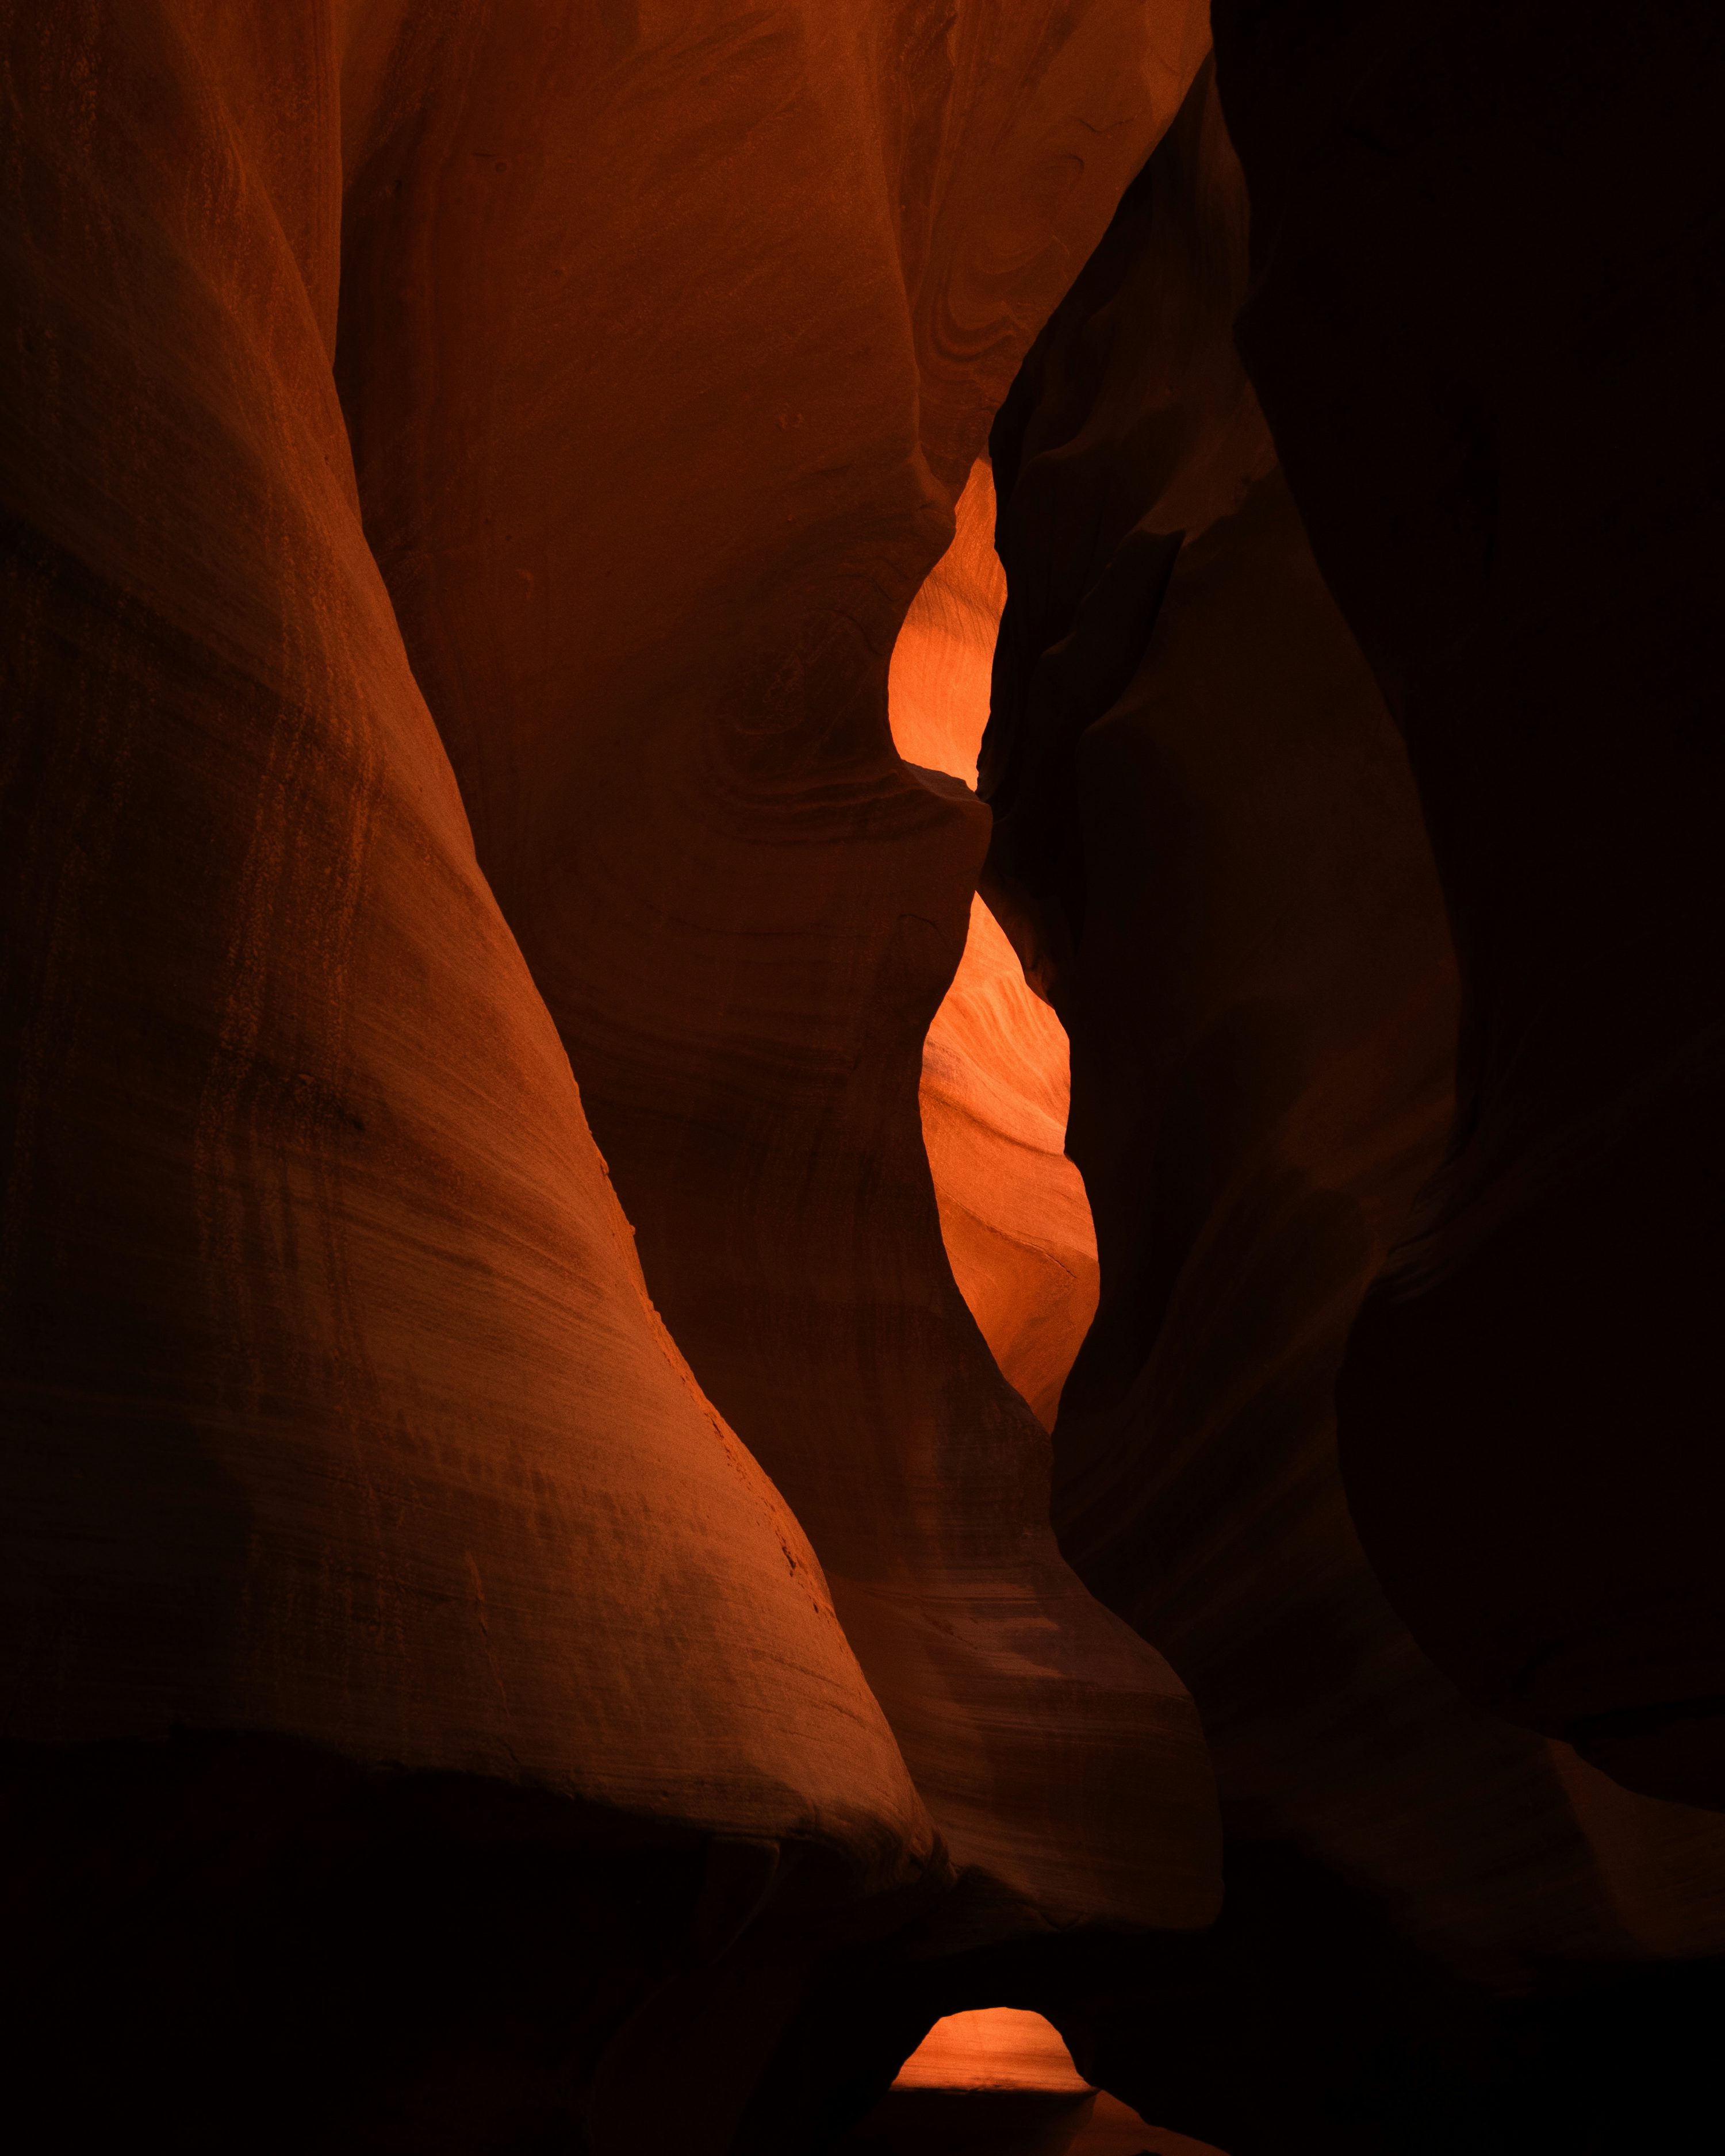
[[1209, 846], [657, 647], [339, 1406], [345, 1444], [994, 2078], [1013, 1215], [995, 1081], [338, 1420], [472, 481], [1000, 2078], [1489, 354], [943, 656]]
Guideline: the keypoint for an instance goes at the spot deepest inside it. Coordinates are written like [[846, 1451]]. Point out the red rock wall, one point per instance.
[[578, 396], [339, 1406], [649, 539], [466, 471], [338, 1418]]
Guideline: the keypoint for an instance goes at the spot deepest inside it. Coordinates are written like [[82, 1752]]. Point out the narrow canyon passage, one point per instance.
[[859, 1052], [996, 1080]]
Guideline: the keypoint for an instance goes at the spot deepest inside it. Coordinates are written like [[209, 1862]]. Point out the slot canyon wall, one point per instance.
[[389, 1606], [739, 906], [540, 1260], [1211, 850], [1533, 1389]]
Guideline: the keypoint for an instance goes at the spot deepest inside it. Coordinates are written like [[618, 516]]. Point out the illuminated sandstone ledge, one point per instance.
[[1001, 2080]]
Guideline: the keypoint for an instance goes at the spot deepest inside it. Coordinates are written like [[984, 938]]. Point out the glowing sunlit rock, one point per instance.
[[994, 2053], [995, 1075], [992, 2047]]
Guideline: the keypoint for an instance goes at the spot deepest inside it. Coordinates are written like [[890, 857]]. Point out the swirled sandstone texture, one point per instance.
[[344, 1443], [305, 1226], [669, 337], [1208, 847], [1499, 413], [338, 1421], [996, 1085]]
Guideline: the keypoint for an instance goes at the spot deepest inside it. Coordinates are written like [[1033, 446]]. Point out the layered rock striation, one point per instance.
[[650, 542], [538, 1260], [465, 473]]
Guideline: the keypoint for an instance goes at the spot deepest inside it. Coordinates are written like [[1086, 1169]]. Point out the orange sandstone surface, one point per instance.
[[338, 1405], [465, 470], [649, 543], [1012, 2063], [566, 1580], [996, 1085]]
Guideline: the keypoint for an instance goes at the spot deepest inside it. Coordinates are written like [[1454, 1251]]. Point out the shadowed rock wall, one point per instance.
[[1208, 847], [1489, 354]]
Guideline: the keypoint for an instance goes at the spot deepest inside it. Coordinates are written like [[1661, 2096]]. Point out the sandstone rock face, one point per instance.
[[601, 379], [1001, 2078], [1013, 1215], [339, 1406], [993, 2047], [1489, 356], [995, 2078], [496, 587], [337, 1413], [995, 1078], [1208, 847], [650, 541], [943, 656]]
